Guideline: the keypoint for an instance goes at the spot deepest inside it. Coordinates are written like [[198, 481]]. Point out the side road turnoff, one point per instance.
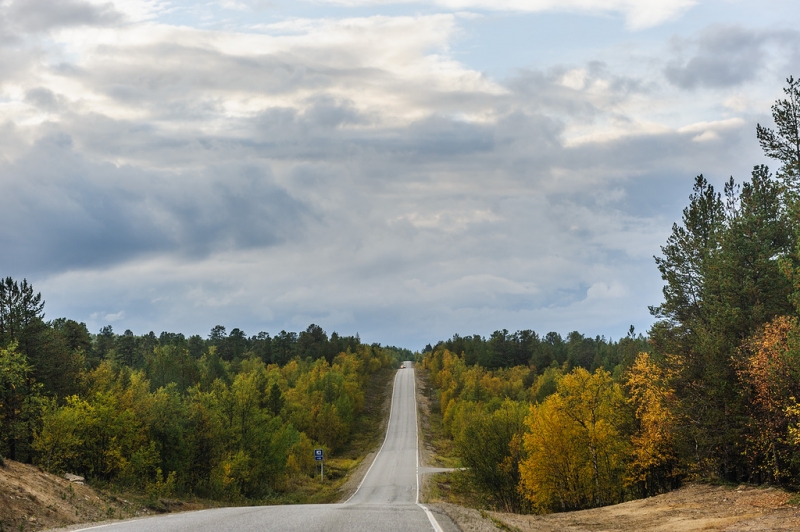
[[386, 501]]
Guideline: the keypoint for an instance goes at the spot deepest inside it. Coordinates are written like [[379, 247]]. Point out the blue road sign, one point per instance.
[[317, 454]]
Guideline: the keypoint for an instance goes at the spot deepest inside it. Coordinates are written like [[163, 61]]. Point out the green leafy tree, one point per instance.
[[20, 404], [56, 366], [490, 447]]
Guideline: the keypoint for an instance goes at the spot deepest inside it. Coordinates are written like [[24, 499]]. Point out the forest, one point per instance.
[[545, 424], [541, 423], [228, 417]]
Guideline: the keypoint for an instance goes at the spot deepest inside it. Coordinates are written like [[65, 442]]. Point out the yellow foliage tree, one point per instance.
[[654, 463], [575, 444]]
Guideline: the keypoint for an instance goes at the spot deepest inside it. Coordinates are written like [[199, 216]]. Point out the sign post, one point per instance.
[[319, 456]]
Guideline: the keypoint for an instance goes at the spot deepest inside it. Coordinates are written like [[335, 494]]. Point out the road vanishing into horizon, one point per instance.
[[387, 500]]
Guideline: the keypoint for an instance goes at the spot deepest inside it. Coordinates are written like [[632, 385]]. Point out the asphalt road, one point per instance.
[[386, 500]]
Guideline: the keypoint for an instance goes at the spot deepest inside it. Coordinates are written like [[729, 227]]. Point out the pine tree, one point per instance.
[[783, 143]]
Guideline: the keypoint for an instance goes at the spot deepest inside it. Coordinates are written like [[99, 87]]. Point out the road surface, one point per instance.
[[386, 500]]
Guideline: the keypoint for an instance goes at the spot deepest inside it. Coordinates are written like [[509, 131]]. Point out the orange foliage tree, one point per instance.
[[770, 374]]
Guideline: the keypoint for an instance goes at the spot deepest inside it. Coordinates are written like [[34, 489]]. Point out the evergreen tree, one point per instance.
[[783, 143], [19, 306]]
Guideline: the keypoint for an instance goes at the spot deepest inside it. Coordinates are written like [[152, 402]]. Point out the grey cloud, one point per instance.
[[278, 133], [42, 98], [724, 56], [620, 85], [285, 132], [525, 142], [633, 155], [327, 112], [186, 72], [535, 137], [528, 239], [68, 222], [522, 146], [44, 15], [539, 91], [239, 208], [430, 140], [62, 211]]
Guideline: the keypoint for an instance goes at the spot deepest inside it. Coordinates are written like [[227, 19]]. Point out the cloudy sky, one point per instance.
[[402, 169]]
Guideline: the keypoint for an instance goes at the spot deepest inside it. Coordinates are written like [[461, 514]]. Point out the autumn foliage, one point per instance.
[[770, 372], [653, 465], [227, 418], [576, 445]]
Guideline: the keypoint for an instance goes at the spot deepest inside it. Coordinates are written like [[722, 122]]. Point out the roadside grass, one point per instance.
[[794, 500], [454, 487], [442, 450], [502, 525], [308, 490]]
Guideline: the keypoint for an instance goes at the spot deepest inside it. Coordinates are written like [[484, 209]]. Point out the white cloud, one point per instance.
[[638, 14], [449, 220], [710, 131], [391, 69], [601, 290], [740, 103], [104, 317]]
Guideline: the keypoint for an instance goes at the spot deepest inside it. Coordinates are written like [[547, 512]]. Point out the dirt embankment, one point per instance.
[[693, 508], [31, 499]]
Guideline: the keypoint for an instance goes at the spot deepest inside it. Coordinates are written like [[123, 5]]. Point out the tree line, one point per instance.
[[503, 349], [711, 392], [229, 417]]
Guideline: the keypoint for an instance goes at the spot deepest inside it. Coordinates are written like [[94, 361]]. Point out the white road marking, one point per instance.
[[431, 518]]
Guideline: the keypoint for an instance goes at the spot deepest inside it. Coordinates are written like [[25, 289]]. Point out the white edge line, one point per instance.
[[431, 518], [385, 437], [142, 518]]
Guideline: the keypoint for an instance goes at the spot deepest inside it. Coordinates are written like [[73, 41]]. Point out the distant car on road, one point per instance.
[[402, 366]]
